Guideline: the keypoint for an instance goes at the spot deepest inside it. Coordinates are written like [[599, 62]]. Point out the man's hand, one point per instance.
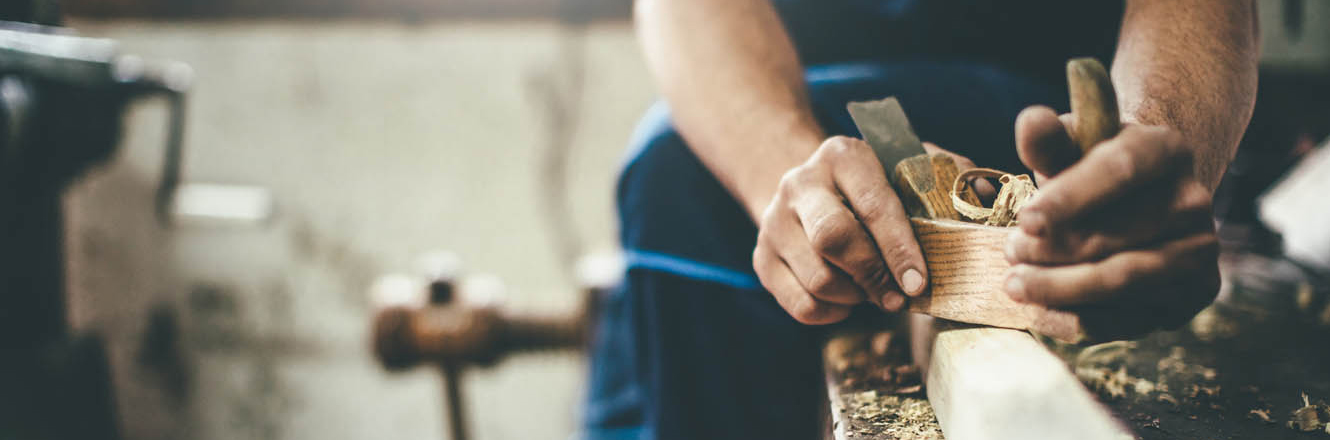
[[835, 235], [1123, 235]]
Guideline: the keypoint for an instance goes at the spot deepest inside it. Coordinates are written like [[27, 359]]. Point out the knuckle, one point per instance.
[[1050, 199], [874, 205], [770, 218], [1112, 279], [761, 260], [821, 282], [797, 181], [870, 272], [803, 310], [842, 146], [1091, 246], [899, 252], [837, 142], [770, 231], [835, 146], [1040, 249], [811, 311], [793, 177], [1123, 166], [831, 235], [1195, 197]]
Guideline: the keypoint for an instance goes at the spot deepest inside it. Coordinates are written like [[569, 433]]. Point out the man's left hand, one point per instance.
[[1123, 236]]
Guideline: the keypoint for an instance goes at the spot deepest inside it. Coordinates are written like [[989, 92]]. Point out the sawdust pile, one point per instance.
[[880, 390], [894, 415], [1093, 368]]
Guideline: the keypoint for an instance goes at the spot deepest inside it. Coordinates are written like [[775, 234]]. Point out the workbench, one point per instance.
[[1237, 371]]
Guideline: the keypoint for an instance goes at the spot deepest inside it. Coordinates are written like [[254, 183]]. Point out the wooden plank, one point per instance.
[[992, 383], [966, 267]]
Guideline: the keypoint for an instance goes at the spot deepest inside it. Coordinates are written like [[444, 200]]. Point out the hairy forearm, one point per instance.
[[735, 88], [1190, 65]]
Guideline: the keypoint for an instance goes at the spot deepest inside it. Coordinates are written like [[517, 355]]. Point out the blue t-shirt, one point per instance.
[[1033, 37]]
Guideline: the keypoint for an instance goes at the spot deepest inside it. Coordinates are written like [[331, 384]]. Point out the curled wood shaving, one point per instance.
[[1262, 415], [1015, 192]]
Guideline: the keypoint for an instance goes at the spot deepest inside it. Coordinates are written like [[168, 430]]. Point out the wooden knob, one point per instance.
[[1093, 103]]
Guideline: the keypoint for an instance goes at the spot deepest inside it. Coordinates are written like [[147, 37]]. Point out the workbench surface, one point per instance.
[[1237, 371]]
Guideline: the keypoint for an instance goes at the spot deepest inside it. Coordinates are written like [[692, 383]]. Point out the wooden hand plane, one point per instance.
[[965, 260]]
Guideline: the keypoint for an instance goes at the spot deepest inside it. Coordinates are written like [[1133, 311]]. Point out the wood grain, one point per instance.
[[966, 267], [992, 383], [924, 184]]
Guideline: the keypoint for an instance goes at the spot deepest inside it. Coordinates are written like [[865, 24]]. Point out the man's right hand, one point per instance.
[[835, 234]]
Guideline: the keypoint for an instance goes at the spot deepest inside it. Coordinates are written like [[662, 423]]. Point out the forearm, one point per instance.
[[1190, 65], [735, 88]]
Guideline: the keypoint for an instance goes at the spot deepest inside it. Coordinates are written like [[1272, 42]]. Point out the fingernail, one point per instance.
[[1010, 249], [892, 302], [1015, 285], [912, 281]]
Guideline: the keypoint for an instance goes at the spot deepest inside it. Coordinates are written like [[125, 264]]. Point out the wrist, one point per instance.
[[776, 160]]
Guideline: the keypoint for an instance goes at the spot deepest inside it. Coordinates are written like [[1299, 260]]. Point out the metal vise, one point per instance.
[[62, 98]]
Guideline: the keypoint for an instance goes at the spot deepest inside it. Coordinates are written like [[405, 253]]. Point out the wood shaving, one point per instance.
[[1262, 415], [1110, 383], [1143, 386], [1104, 354], [1193, 391], [1015, 192], [1175, 365], [1310, 417], [895, 415], [1173, 362]]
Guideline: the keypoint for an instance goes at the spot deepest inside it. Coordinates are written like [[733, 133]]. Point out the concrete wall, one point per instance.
[[379, 141]]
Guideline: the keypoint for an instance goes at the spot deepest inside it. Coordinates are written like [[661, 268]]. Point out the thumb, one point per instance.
[[1043, 141]]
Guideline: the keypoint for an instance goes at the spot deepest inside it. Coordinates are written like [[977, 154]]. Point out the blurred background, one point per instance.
[[356, 137], [381, 131]]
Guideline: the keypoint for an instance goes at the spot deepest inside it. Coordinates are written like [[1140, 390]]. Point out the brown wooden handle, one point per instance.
[[1093, 103]]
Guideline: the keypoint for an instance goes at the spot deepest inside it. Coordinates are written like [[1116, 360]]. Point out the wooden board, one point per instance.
[[966, 267], [992, 383]]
